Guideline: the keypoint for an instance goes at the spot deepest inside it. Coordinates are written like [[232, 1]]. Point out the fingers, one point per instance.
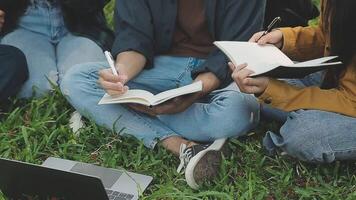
[[166, 108], [237, 68], [232, 66], [143, 109], [275, 37], [267, 39], [241, 75], [256, 36], [251, 82], [173, 106], [113, 88], [107, 75], [2, 19], [112, 84], [247, 84]]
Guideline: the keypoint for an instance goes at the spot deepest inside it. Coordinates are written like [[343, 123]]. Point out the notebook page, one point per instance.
[[260, 59], [131, 96], [315, 62], [170, 94]]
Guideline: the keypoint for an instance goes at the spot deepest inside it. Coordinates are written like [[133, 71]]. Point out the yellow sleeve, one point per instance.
[[303, 43], [290, 98]]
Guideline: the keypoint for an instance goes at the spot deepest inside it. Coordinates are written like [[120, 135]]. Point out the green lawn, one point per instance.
[[36, 129]]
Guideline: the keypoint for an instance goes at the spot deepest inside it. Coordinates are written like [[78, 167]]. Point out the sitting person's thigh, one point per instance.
[[317, 136], [73, 50], [40, 56], [167, 73]]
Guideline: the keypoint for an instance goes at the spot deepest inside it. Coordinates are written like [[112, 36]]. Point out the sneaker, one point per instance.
[[201, 162]]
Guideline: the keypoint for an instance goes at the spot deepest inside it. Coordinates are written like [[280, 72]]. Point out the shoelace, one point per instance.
[[185, 155]]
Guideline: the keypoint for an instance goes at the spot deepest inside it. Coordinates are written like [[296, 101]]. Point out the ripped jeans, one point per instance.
[[49, 48]]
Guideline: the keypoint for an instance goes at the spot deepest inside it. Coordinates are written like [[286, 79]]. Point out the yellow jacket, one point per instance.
[[304, 44]]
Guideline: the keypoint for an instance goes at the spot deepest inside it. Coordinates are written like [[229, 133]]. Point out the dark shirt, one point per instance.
[[191, 35], [147, 27]]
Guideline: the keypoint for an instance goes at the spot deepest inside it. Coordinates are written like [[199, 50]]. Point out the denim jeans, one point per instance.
[[312, 135], [49, 48], [223, 113]]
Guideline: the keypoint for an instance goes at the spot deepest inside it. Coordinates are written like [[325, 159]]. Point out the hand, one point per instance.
[[112, 84], [248, 85], [2, 19], [174, 106], [275, 37]]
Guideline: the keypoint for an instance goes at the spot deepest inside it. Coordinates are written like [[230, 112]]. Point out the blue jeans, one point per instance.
[[313, 135], [49, 48], [222, 114]]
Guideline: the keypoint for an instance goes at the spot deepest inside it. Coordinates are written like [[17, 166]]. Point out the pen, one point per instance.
[[111, 62], [275, 21]]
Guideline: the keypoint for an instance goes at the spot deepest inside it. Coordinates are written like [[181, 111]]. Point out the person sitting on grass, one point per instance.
[[13, 69], [161, 45], [54, 35], [13, 72], [321, 122]]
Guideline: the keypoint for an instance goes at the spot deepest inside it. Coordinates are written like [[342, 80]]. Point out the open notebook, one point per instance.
[[269, 61], [146, 98]]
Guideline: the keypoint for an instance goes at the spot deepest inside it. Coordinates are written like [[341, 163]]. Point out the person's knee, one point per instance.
[[233, 115], [70, 79], [17, 64], [303, 139], [77, 76]]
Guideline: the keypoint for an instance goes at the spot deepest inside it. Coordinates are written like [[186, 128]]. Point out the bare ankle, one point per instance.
[[173, 144], [191, 143]]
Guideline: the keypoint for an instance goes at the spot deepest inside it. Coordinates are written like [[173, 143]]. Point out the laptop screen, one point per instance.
[[107, 176]]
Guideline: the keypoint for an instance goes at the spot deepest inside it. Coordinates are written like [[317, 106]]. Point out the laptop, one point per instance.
[[67, 179]]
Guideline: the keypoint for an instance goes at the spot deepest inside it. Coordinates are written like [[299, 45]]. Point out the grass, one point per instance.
[[36, 129]]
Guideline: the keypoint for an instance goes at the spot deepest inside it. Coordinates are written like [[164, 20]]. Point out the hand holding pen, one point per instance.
[[269, 36], [111, 80]]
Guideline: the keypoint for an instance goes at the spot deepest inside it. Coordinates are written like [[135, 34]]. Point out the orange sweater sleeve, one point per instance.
[[290, 98], [303, 43]]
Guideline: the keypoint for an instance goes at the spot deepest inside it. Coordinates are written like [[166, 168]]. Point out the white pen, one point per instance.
[[111, 62]]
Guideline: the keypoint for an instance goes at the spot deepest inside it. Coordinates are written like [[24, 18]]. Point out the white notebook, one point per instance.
[[268, 60], [148, 99]]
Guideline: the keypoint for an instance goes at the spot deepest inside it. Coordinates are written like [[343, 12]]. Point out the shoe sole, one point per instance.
[[211, 155]]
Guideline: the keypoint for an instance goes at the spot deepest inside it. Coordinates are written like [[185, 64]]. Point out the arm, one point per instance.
[[241, 19], [133, 29], [130, 63], [303, 43], [290, 98], [2, 19], [339, 100], [133, 46]]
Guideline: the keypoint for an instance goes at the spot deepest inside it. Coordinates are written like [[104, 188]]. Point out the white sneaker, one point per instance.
[[201, 162]]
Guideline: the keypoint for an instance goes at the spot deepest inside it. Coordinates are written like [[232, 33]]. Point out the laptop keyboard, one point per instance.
[[113, 195]]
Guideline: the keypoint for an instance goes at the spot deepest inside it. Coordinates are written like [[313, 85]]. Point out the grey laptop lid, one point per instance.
[[113, 179]]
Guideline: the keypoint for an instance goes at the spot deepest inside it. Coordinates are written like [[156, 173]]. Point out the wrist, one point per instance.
[[264, 88], [210, 82]]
